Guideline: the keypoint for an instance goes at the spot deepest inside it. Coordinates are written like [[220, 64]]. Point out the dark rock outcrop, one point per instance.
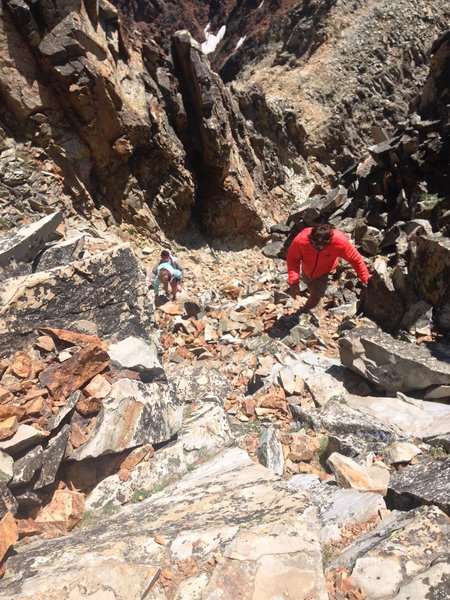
[[108, 288]]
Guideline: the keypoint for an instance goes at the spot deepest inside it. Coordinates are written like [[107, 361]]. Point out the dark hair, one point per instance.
[[165, 253], [321, 235]]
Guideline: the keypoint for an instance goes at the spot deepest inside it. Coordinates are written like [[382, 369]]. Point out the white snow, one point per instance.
[[240, 42], [212, 40]]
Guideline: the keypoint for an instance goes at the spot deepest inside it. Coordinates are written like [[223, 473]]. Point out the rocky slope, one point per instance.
[[135, 127], [345, 67], [219, 445], [351, 425]]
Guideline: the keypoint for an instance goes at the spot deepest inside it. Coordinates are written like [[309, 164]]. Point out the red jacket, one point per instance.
[[316, 263]]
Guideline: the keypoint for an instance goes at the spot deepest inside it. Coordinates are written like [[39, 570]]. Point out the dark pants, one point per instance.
[[317, 288]]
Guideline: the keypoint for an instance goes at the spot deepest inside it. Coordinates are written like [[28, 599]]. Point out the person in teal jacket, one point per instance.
[[166, 275], [316, 252]]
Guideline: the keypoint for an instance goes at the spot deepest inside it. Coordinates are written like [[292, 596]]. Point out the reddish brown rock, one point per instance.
[[124, 474], [64, 510], [8, 533], [10, 410], [137, 455], [22, 365], [98, 387], [63, 379], [28, 527], [72, 337], [88, 407], [77, 436], [8, 427], [45, 342], [5, 394]]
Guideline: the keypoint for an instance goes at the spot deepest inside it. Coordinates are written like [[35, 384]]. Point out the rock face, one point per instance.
[[147, 133], [108, 288], [79, 49], [230, 172]]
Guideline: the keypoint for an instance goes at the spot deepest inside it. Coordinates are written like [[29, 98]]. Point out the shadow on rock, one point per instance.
[[284, 325], [160, 300]]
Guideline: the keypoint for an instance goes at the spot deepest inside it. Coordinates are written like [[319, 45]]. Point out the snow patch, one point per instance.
[[240, 42], [212, 40]]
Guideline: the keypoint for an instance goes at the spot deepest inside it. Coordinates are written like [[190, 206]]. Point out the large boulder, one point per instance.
[[224, 508], [339, 509], [405, 556], [205, 431], [430, 267], [133, 413], [427, 482], [381, 302], [408, 417], [108, 289], [394, 365]]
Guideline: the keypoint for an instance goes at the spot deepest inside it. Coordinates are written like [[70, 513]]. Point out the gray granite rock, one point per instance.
[[62, 253], [25, 467], [394, 365], [228, 506], [108, 288], [52, 457], [270, 450], [132, 414], [404, 546], [194, 383], [337, 508], [204, 433]]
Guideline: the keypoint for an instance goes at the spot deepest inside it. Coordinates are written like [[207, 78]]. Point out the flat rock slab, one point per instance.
[[264, 537], [204, 433], [407, 416], [400, 554], [194, 383], [394, 365], [108, 289], [24, 437]]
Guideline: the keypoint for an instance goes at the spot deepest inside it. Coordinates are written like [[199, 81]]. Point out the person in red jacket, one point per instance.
[[316, 251]]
